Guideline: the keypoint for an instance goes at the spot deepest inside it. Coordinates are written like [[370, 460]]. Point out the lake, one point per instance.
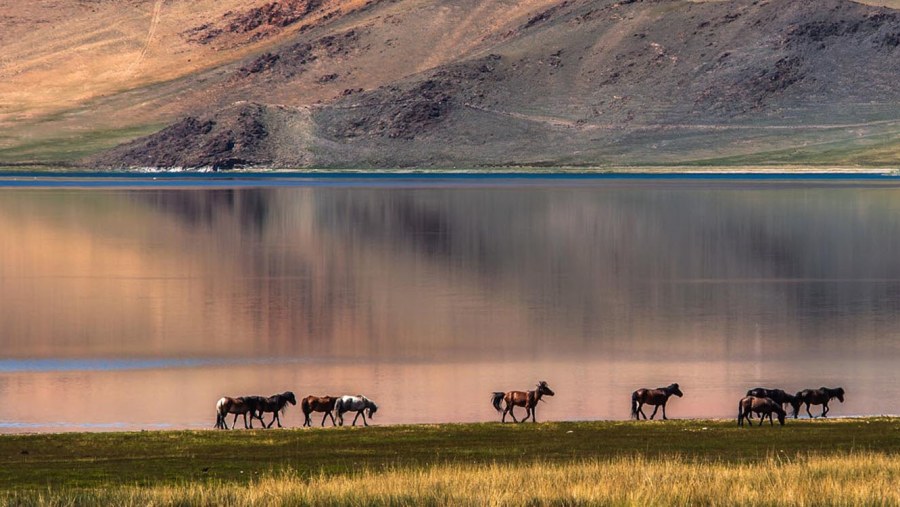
[[135, 303]]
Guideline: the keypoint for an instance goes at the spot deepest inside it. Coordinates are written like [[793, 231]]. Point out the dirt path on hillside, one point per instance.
[[154, 23]]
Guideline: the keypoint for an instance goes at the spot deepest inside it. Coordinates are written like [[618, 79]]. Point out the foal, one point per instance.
[[656, 397]]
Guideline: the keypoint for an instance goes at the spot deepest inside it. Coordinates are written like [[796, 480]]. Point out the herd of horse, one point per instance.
[[257, 406], [765, 403]]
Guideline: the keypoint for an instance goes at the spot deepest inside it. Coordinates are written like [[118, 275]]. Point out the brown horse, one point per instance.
[[237, 406], [656, 397], [312, 404], [764, 407], [778, 396], [275, 404], [820, 396], [527, 399]]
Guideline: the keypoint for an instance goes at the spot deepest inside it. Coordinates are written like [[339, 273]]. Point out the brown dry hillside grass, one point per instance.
[[102, 72], [396, 83]]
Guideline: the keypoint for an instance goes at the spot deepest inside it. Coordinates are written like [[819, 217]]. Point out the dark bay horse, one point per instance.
[[656, 397], [237, 406], [275, 404], [312, 404], [763, 407], [778, 396], [527, 399], [358, 404], [820, 396]]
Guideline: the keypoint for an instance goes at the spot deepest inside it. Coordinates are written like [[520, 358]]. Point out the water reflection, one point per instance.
[[420, 293]]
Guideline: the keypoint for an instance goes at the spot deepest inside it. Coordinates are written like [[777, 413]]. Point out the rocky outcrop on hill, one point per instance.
[[579, 83]]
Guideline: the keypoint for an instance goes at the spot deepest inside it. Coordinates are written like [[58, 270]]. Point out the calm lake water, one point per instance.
[[137, 304]]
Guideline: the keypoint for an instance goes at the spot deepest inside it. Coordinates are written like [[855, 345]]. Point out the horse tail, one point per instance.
[[634, 404], [220, 417], [496, 398], [304, 406]]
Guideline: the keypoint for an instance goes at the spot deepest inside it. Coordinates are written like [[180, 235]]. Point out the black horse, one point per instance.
[[820, 396], [656, 397], [778, 396], [275, 404]]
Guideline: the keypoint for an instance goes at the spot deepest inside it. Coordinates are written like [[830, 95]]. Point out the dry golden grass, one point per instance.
[[854, 479]]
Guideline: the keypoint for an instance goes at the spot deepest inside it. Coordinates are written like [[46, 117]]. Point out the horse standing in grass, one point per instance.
[[778, 396], [656, 397], [820, 396], [764, 407], [275, 404], [237, 406], [527, 399], [312, 404], [358, 403]]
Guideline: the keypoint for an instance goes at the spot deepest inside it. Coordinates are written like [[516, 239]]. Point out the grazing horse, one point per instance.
[[820, 396], [764, 407], [312, 404], [656, 397], [275, 404], [237, 406], [357, 403], [778, 396], [527, 399]]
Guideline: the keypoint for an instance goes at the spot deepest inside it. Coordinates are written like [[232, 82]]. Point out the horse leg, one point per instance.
[[527, 414], [277, 418], [654, 412], [512, 413], [355, 418], [641, 412], [825, 409], [664, 412], [234, 421], [771, 419], [364, 418], [332, 420], [762, 419], [533, 412], [807, 410]]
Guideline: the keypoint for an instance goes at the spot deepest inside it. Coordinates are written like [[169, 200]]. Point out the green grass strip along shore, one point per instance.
[[840, 462]]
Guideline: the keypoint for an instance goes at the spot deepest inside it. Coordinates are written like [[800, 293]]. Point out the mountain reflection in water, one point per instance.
[[419, 293]]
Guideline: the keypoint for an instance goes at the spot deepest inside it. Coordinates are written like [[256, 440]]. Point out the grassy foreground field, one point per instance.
[[702, 462]]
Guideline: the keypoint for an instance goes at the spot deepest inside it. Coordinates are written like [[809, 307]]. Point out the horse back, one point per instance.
[[519, 398]]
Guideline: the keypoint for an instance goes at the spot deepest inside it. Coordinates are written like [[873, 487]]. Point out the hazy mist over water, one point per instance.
[[147, 305]]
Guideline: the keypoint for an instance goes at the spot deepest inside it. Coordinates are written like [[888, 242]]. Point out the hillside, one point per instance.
[[424, 83]]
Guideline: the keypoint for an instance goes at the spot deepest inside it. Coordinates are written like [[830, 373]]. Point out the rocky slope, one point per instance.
[[424, 83]]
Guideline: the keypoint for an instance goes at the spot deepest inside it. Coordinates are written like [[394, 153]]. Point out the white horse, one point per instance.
[[354, 403]]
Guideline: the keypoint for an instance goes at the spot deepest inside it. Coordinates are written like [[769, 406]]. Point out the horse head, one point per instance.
[[781, 414], [674, 389], [837, 393], [289, 396], [543, 388], [371, 407]]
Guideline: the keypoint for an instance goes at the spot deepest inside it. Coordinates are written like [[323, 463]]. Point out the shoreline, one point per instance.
[[122, 429]]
